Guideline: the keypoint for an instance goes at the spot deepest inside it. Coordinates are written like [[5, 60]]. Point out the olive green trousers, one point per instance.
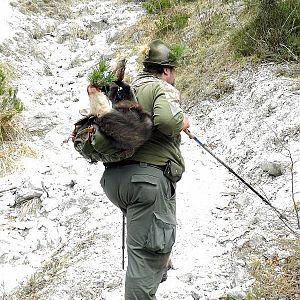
[[147, 198]]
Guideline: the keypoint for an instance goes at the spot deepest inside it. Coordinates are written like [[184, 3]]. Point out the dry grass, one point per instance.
[[52, 8], [11, 132], [12, 149], [51, 270], [29, 207], [292, 71], [272, 33], [275, 277], [11, 153]]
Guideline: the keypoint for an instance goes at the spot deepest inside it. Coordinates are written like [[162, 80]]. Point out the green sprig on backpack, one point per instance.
[[101, 75]]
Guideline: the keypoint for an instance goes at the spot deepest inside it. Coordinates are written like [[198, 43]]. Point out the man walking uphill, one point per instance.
[[143, 187]]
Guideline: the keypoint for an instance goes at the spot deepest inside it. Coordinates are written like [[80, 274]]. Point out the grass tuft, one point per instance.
[[275, 277], [52, 270]]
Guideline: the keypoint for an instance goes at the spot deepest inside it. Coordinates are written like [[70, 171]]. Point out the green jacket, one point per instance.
[[161, 99]]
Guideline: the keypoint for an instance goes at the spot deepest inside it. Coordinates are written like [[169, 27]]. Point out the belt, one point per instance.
[[132, 162]]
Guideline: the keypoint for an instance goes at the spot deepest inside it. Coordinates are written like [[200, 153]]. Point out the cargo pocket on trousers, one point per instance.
[[162, 234], [144, 188]]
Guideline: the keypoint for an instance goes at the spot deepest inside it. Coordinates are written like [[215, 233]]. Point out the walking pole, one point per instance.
[[123, 243], [192, 136]]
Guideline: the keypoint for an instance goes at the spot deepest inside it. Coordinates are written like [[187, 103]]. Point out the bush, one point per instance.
[[159, 6], [273, 33], [156, 6], [10, 106], [171, 23], [169, 18]]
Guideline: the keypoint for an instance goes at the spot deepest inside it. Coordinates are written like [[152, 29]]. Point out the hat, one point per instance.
[[159, 53]]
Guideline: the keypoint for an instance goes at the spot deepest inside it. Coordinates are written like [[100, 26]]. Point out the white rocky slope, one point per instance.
[[71, 242]]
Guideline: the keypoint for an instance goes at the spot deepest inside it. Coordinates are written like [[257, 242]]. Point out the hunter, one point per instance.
[[143, 185]]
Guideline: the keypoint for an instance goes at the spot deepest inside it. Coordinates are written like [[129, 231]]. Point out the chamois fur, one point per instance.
[[127, 125]]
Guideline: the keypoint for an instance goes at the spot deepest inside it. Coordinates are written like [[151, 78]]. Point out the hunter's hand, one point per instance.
[[185, 123]]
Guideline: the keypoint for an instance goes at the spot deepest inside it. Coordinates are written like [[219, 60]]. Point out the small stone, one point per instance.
[[272, 168]]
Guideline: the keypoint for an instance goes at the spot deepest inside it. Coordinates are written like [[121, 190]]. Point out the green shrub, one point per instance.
[[163, 24], [170, 18], [272, 33], [159, 6], [178, 52], [156, 6], [179, 21], [10, 106], [174, 22]]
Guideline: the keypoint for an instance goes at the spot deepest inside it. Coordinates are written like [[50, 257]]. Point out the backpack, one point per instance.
[[118, 133]]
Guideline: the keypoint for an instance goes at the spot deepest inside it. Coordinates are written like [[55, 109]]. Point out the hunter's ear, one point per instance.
[[166, 71]]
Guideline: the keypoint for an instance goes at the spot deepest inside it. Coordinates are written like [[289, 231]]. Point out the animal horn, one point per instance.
[[119, 70]]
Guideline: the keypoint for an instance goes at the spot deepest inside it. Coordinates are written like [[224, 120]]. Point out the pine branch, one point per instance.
[[101, 76]]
